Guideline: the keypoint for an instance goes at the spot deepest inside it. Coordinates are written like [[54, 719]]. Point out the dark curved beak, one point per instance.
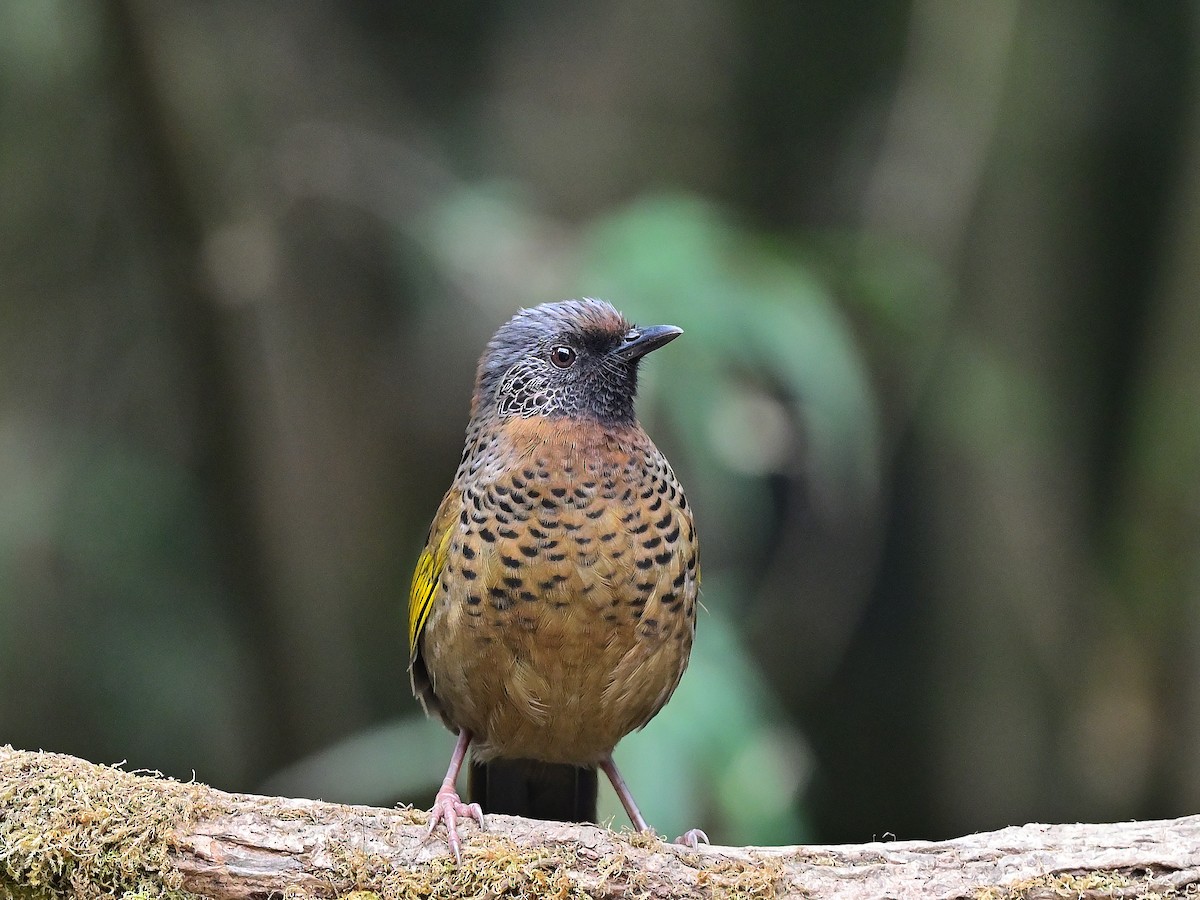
[[640, 341]]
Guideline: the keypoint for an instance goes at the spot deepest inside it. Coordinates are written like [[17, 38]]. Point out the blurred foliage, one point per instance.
[[935, 404]]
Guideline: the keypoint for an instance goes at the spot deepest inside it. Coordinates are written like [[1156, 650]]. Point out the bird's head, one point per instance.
[[576, 358]]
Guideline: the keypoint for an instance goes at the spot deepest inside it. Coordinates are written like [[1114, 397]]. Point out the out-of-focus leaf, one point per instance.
[[401, 758], [753, 315]]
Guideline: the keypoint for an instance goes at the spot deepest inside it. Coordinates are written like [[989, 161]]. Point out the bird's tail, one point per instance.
[[536, 790]]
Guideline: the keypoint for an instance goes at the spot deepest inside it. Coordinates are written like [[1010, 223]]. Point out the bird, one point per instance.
[[553, 608]]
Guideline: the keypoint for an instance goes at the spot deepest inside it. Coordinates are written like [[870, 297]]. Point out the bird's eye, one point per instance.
[[562, 356]]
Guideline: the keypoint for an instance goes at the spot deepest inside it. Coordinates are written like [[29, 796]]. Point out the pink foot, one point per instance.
[[447, 807], [692, 838]]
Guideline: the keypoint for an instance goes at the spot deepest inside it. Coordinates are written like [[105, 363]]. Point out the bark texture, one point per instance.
[[71, 828]]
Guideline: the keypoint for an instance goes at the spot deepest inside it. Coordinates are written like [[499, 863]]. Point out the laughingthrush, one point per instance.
[[553, 608]]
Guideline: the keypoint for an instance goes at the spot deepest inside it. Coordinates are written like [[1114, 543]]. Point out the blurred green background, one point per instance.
[[937, 407]]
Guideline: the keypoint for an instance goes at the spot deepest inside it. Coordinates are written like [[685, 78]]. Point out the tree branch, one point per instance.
[[69, 828]]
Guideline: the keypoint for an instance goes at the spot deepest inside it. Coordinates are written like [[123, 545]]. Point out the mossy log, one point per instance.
[[69, 828]]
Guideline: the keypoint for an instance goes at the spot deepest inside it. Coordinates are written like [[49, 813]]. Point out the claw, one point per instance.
[[692, 838], [447, 807]]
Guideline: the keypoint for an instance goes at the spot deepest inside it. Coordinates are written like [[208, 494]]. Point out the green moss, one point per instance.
[[71, 828], [1064, 884], [492, 866]]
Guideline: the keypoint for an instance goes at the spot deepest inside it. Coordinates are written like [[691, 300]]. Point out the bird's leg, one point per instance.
[[448, 806], [610, 769], [690, 838]]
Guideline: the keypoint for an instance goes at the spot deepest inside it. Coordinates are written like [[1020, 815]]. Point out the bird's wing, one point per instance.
[[430, 566]]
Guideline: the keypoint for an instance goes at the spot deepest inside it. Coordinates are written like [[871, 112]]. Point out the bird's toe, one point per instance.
[[448, 808], [692, 838]]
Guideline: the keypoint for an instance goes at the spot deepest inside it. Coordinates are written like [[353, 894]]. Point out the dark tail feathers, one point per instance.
[[536, 790]]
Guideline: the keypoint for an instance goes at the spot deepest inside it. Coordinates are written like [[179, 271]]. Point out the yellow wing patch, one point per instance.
[[425, 579]]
